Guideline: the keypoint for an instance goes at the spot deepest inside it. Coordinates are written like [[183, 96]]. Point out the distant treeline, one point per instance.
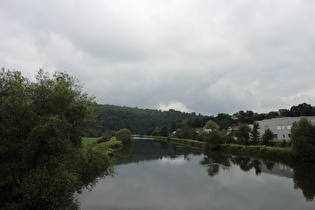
[[146, 121], [138, 121]]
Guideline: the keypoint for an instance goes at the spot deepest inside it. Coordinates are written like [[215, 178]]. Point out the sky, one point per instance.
[[203, 56]]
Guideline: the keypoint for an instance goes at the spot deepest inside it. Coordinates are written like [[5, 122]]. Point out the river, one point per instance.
[[152, 174]]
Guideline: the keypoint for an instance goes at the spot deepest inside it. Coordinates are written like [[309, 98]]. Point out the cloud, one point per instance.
[[203, 56]]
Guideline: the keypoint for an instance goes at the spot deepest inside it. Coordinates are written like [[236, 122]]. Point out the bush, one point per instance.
[[303, 140], [124, 135], [106, 137], [214, 139], [259, 151]]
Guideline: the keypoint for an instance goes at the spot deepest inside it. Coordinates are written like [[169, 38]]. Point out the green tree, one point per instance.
[[302, 110], [255, 133], [243, 134], [303, 140], [164, 131], [214, 139], [224, 120], [186, 132], [124, 135], [267, 137], [41, 125], [211, 125]]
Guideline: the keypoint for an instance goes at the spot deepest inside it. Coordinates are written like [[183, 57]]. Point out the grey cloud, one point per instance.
[[207, 56]]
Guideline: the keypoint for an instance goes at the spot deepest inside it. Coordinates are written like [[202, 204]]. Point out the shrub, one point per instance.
[[303, 140], [124, 135]]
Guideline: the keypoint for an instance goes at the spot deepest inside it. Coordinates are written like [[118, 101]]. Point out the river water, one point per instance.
[[152, 174]]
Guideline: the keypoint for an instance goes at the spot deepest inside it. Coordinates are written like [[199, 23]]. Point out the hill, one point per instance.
[[112, 117]]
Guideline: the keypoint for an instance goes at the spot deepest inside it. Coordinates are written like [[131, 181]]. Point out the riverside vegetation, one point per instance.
[[43, 162], [245, 143]]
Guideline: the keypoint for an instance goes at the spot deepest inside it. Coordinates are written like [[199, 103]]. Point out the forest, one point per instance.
[[152, 121], [138, 121]]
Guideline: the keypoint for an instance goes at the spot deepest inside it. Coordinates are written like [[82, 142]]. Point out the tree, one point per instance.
[[214, 139], [164, 131], [186, 132], [211, 125], [224, 120], [243, 134], [255, 133], [41, 125], [302, 110], [303, 140], [267, 137], [124, 135]]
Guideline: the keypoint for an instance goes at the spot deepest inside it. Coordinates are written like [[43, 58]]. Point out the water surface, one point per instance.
[[156, 175]]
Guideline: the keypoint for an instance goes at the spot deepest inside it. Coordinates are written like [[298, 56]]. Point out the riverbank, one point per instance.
[[187, 142], [278, 154], [259, 151], [108, 146]]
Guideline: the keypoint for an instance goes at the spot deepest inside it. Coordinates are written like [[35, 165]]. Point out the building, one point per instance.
[[280, 127]]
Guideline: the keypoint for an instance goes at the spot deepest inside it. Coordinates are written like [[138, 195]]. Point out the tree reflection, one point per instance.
[[126, 150], [215, 161], [269, 165], [303, 173], [304, 179]]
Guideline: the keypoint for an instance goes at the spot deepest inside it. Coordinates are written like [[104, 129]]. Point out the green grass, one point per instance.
[[91, 143], [259, 151], [89, 140]]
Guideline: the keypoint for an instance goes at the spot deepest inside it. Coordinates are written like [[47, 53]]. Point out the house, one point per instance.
[[281, 127]]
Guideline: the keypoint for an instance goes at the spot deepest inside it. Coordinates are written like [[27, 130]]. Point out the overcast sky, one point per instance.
[[203, 56]]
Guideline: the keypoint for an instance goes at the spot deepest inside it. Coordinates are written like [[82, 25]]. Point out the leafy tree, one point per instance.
[[255, 133], [214, 139], [224, 121], [186, 132], [303, 140], [211, 125], [267, 137], [41, 125], [245, 117], [302, 110], [164, 131], [124, 135], [243, 134], [106, 136]]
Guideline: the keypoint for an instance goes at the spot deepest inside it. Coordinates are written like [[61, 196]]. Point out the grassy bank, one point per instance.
[[254, 151], [186, 142], [259, 151], [91, 142]]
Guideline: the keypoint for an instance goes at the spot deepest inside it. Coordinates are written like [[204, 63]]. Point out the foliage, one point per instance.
[[214, 139], [259, 151], [303, 140], [255, 133], [41, 124], [267, 137], [124, 135], [89, 140], [188, 142], [111, 117], [186, 132], [106, 137], [303, 109], [211, 125], [159, 131], [224, 121], [243, 134]]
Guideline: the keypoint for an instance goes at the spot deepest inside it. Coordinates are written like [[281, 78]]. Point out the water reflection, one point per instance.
[[158, 175], [302, 173]]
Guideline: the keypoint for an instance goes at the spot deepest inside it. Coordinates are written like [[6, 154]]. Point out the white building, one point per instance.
[[281, 127]]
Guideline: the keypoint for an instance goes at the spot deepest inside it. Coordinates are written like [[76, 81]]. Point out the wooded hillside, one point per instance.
[[112, 117]]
